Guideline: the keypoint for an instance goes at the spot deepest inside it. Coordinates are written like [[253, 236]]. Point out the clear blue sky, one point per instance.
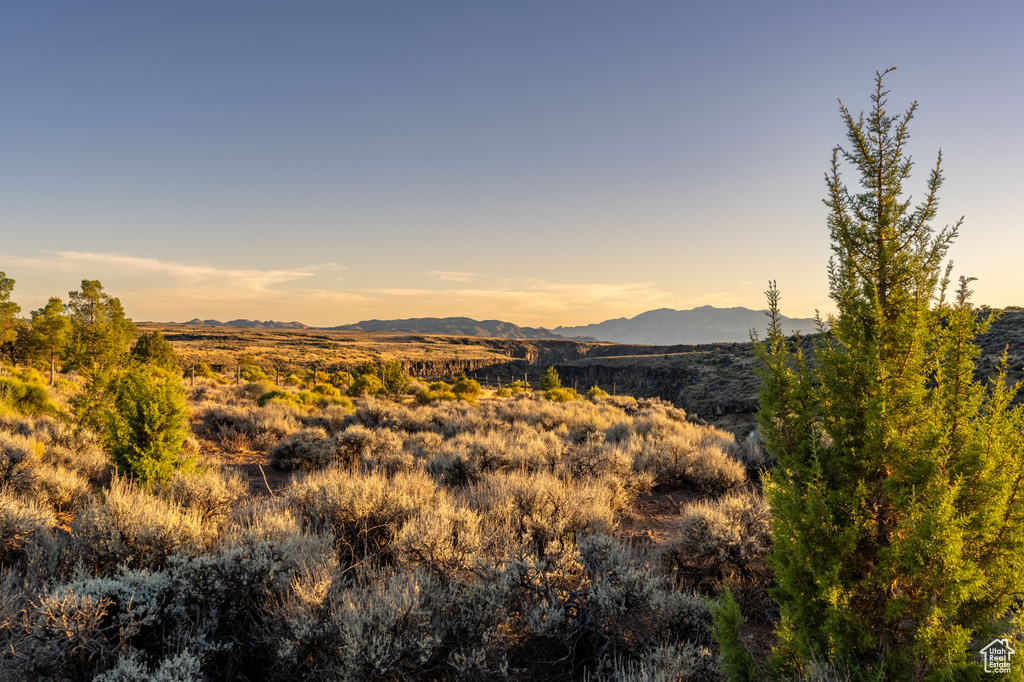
[[544, 163]]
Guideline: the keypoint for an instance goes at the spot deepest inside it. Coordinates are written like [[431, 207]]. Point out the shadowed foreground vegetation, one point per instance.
[[446, 540]]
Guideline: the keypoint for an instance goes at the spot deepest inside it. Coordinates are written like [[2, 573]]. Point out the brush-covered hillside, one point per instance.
[[431, 531]]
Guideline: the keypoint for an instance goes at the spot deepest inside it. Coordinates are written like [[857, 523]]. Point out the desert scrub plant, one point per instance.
[[25, 530], [631, 609], [256, 389], [239, 428], [303, 450], [70, 634], [62, 446], [720, 537], [147, 424], [540, 511], [596, 391], [19, 462], [211, 495], [134, 527], [683, 460], [63, 490], [369, 447], [24, 471], [388, 627], [444, 539], [365, 512]]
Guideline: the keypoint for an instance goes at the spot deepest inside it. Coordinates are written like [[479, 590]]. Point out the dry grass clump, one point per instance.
[[724, 542], [726, 534], [211, 495], [24, 469], [445, 539], [303, 450], [245, 428], [25, 529], [541, 512], [131, 526], [364, 512]]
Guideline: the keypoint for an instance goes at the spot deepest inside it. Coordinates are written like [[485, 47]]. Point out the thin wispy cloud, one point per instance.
[[447, 276], [163, 289], [250, 279]]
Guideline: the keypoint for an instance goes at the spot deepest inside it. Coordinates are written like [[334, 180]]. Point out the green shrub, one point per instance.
[[203, 370], [253, 373], [339, 379], [597, 392], [308, 397], [366, 384], [327, 390], [146, 424], [24, 397], [342, 402], [278, 395], [467, 388], [395, 380], [561, 395], [255, 389], [31, 375]]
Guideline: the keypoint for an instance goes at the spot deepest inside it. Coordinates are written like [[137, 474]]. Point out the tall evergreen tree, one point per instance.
[[154, 349], [50, 330], [897, 503], [100, 332], [9, 311]]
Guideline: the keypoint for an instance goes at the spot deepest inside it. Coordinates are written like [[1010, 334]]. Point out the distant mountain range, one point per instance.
[[456, 326], [252, 324], [663, 327]]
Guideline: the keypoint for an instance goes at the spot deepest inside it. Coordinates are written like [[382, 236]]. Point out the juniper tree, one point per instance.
[[550, 380], [897, 508], [9, 311], [50, 329], [153, 349], [147, 423], [100, 332]]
